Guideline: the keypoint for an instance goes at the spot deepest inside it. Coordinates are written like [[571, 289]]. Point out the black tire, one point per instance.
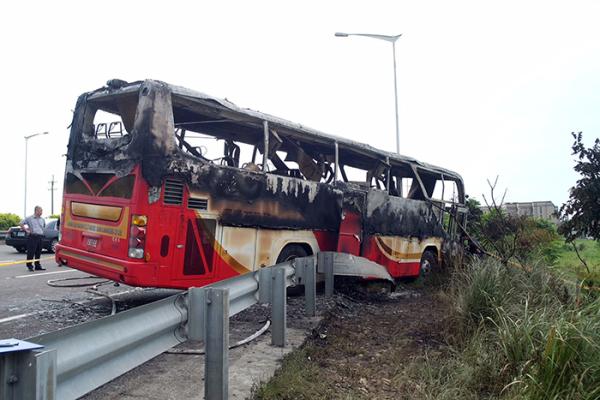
[[52, 247], [288, 253], [21, 249]]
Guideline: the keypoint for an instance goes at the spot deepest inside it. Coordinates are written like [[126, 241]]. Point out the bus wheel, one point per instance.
[[288, 253], [429, 265]]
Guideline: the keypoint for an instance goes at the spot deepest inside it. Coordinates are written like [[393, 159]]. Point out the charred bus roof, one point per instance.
[[223, 119]]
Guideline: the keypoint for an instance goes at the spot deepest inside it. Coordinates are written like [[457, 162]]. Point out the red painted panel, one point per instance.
[[350, 234], [326, 240], [396, 269]]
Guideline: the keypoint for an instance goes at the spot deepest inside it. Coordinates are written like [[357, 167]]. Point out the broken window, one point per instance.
[[239, 144], [110, 117], [445, 190]]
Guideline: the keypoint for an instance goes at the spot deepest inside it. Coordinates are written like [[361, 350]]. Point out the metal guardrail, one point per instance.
[[79, 359]]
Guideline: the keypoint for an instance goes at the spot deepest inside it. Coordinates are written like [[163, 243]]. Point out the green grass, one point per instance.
[[301, 378], [510, 334], [569, 266], [517, 334]]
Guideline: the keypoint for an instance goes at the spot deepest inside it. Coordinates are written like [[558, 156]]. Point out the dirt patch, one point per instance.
[[361, 347]]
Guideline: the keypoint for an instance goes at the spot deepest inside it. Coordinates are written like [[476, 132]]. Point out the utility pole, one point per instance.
[[52, 189]]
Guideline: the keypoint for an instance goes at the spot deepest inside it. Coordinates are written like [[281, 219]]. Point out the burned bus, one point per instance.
[[168, 187]]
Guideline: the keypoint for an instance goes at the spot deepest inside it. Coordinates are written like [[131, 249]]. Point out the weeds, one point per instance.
[[510, 334], [518, 334]]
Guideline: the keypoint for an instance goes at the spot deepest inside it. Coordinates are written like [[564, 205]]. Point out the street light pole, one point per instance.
[[25, 191], [392, 40]]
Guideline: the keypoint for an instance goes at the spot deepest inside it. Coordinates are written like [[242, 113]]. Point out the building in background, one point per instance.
[[536, 209]]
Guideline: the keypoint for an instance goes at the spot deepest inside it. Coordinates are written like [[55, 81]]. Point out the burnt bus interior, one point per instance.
[[214, 131]]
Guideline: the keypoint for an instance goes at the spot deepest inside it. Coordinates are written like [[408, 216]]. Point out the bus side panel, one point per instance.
[[271, 242], [349, 239], [238, 247], [401, 256], [397, 216], [326, 240], [165, 246]]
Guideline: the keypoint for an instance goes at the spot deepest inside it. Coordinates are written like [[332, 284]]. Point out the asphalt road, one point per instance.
[[30, 306]]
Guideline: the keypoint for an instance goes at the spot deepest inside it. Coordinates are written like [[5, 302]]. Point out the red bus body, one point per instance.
[[147, 209]]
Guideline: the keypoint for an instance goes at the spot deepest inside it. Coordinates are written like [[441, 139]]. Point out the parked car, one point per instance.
[[17, 237]]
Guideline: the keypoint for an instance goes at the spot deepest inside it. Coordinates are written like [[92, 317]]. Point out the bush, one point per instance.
[[519, 238], [7, 220], [524, 335]]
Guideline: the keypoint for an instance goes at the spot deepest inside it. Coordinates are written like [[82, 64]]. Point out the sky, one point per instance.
[[485, 88]]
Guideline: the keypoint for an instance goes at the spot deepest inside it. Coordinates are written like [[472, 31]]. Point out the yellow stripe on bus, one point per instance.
[[391, 253]]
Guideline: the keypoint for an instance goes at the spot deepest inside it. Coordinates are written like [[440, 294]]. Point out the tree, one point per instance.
[[512, 237], [474, 214], [580, 215], [7, 220]]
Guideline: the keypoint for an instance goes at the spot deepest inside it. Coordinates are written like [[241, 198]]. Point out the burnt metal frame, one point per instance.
[[224, 111]]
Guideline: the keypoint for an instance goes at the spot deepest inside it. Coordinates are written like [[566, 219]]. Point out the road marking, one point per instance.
[[16, 317], [8, 263], [44, 273]]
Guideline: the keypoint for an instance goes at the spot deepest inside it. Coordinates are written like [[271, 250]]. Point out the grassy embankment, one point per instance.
[[509, 334], [569, 265]]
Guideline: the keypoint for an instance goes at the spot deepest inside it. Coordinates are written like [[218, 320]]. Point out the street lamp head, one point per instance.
[[387, 38], [35, 134]]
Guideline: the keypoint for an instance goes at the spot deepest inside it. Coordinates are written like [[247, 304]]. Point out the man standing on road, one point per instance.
[[35, 228]]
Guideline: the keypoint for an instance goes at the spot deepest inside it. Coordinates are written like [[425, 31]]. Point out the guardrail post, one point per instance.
[[278, 308], [216, 367], [264, 285], [196, 313], [28, 374], [305, 267], [325, 260]]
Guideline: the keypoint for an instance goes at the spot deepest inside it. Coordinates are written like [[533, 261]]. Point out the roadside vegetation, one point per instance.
[[569, 265], [519, 320], [513, 334], [8, 220]]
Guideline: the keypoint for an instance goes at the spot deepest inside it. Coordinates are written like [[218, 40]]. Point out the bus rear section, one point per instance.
[[105, 227]]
